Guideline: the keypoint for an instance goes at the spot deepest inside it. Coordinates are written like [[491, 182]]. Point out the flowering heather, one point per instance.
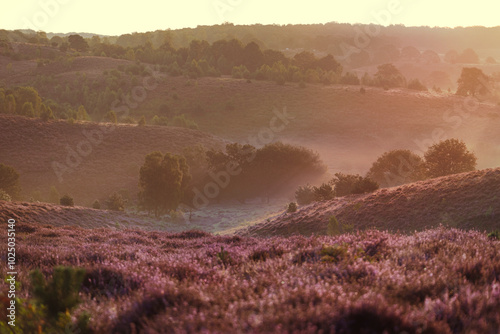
[[435, 281]]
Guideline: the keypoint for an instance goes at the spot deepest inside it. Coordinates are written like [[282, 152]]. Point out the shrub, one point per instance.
[[61, 293], [333, 253], [96, 205], [4, 196], [362, 90], [324, 192], [116, 202], [304, 195], [162, 121], [292, 207], [67, 200], [347, 184], [184, 122], [142, 121], [495, 235], [111, 117]]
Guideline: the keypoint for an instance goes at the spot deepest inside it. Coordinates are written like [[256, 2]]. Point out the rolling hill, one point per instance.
[[468, 200], [87, 160]]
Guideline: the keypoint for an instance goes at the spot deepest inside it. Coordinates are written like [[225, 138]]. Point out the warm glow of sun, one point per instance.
[[114, 17]]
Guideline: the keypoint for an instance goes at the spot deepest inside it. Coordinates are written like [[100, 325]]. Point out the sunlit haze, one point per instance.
[[116, 17]]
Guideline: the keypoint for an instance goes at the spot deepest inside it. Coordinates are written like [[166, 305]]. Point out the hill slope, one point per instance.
[[86, 160], [467, 200]]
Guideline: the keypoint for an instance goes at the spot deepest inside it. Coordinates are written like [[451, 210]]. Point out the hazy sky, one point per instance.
[[112, 17]]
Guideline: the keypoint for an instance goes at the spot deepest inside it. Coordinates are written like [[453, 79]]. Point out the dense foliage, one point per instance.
[[397, 167], [264, 172], [448, 157], [436, 281], [163, 181]]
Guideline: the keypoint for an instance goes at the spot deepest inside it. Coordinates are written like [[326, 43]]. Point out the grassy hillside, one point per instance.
[[86, 160], [468, 201]]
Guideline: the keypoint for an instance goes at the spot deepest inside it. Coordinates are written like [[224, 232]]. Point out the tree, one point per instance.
[[451, 57], [4, 196], [472, 81], [9, 181], [305, 60], [78, 43], [448, 157], [469, 56], [163, 181], [67, 200], [111, 117], [430, 57], [410, 53], [28, 110], [396, 167], [115, 202], [389, 76], [46, 113]]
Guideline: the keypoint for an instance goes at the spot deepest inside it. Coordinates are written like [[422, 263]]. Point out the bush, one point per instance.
[[292, 207], [495, 235], [142, 121], [67, 200], [333, 253], [324, 192], [61, 293], [111, 117], [161, 121], [4, 196], [304, 195], [116, 202], [347, 184], [96, 205]]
